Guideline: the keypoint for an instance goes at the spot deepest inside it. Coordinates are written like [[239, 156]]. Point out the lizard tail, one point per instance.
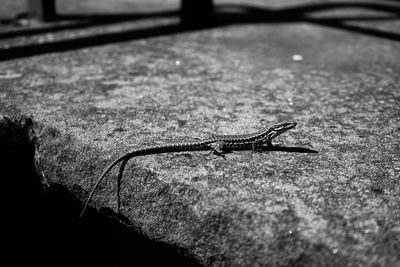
[[125, 159]]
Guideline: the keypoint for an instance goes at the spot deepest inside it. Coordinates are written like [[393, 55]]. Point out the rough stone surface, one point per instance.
[[337, 207]]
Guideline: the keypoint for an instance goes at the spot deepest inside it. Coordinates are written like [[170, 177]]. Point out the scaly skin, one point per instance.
[[216, 144]]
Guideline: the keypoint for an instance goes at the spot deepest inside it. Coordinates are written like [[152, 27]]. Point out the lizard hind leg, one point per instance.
[[218, 149]]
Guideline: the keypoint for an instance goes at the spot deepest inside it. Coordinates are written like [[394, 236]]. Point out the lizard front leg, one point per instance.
[[258, 146]]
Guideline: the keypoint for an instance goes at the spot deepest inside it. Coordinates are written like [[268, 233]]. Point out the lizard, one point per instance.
[[217, 144]]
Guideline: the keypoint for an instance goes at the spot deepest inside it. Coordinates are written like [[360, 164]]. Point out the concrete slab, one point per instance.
[[336, 75]]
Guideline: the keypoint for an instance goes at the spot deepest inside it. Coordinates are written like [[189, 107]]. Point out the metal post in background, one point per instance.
[[44, 10], [196, 12]]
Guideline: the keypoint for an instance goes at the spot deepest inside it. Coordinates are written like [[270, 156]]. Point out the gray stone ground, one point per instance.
[[337, 207]]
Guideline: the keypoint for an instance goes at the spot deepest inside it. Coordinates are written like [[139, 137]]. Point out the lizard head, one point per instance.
[[280, 128]]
